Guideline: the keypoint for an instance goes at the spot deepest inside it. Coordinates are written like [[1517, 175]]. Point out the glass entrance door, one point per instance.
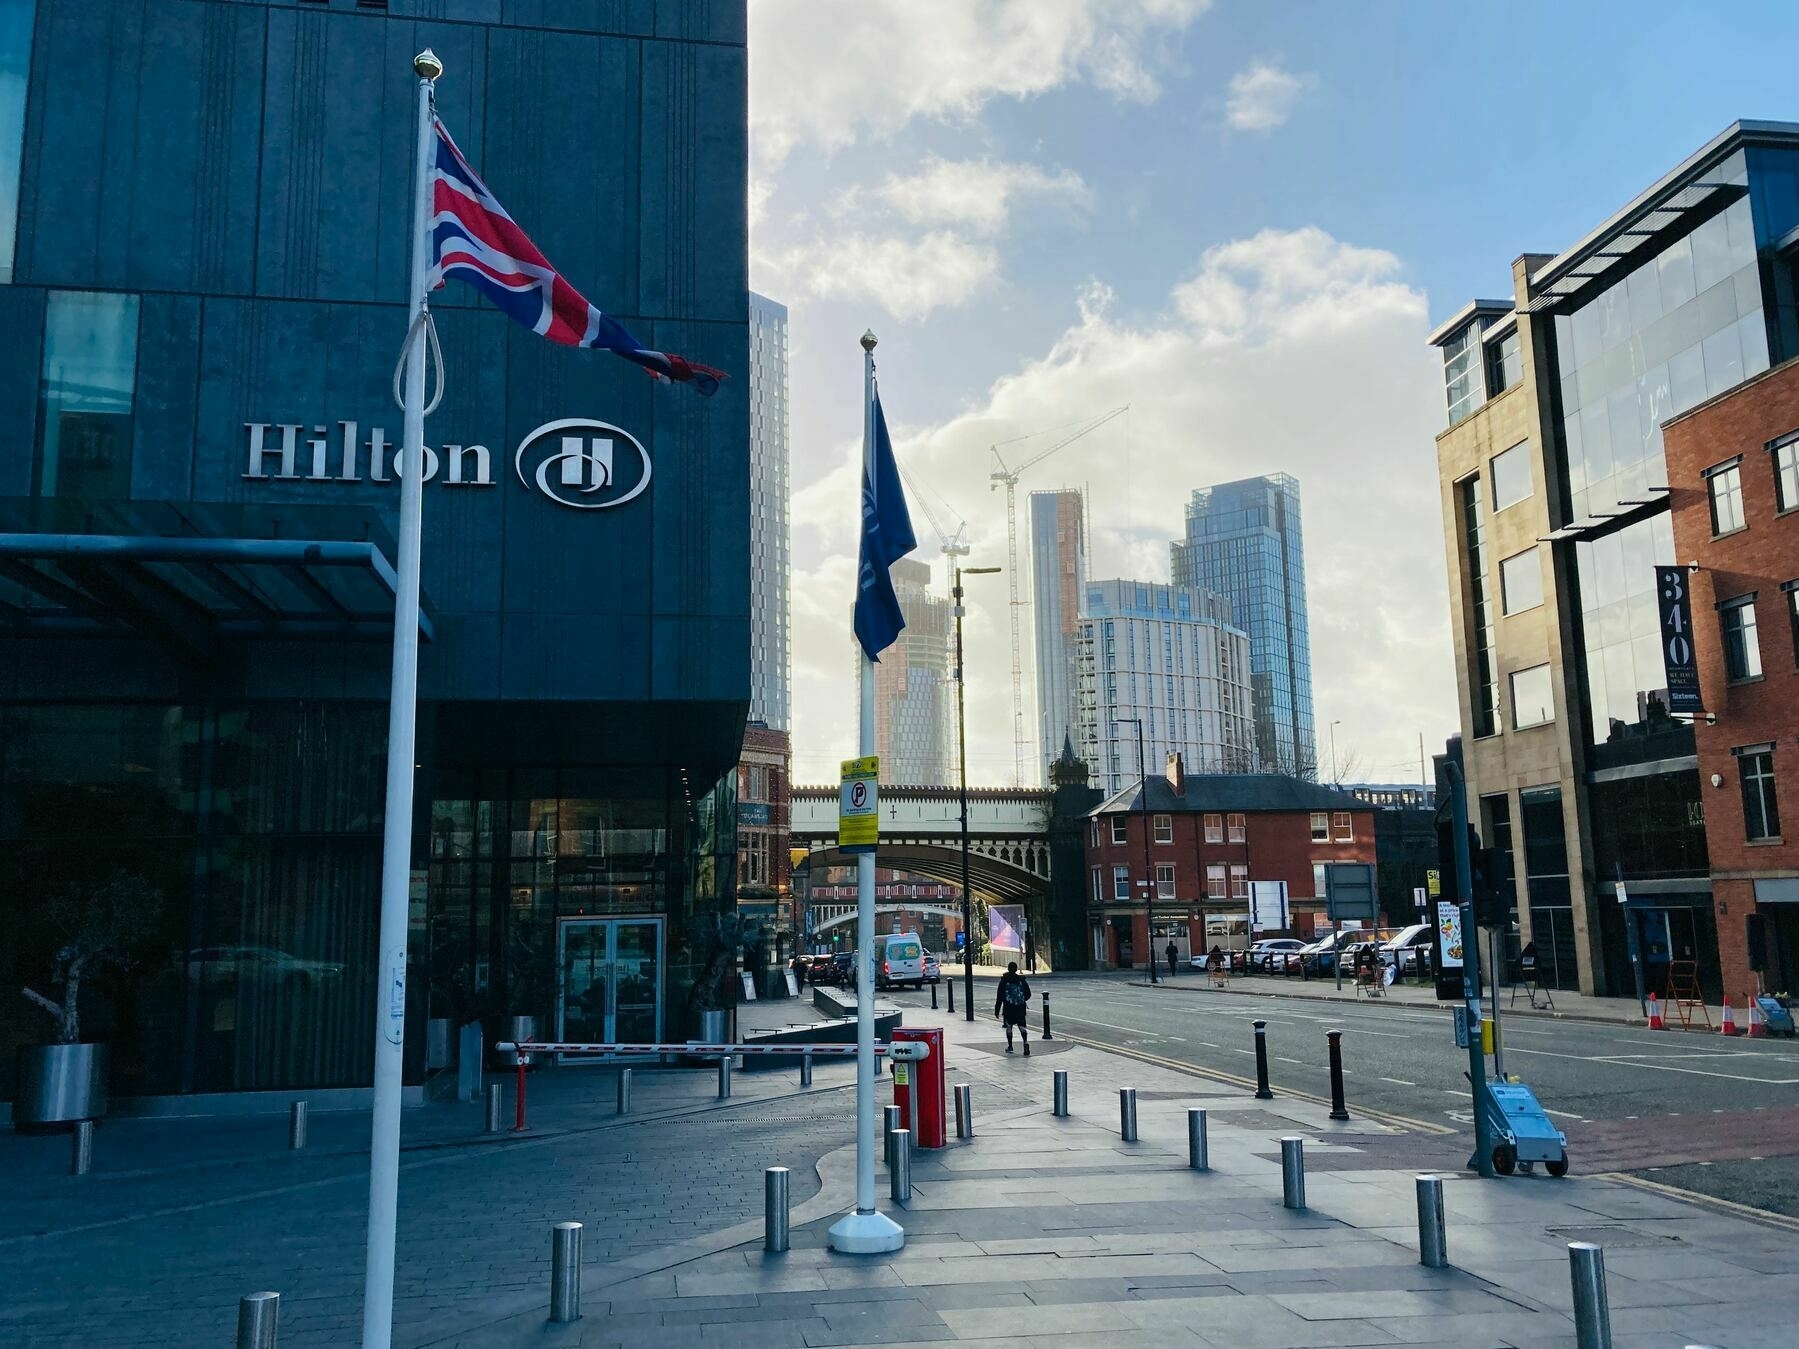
[[609, 980]]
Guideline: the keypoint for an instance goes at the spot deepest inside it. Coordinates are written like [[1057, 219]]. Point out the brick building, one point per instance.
[[764, 827], [1209, 836], [1733, 478]]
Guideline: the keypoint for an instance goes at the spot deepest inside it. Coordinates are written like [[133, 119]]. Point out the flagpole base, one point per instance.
[[866, 1234]]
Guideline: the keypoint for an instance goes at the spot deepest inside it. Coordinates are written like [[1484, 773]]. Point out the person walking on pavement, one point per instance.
[[1173, 951], [1009, 1005]]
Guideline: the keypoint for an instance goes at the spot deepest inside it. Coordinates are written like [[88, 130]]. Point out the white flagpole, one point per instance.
[[402, 719], [866, 1231]]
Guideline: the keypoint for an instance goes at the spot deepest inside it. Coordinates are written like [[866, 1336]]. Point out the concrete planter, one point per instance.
[[60, 1084]]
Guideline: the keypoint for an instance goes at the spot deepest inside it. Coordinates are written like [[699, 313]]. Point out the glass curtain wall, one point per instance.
[[16, 19], [1547, 887]]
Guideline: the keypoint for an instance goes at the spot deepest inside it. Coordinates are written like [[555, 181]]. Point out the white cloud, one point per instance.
[[1288, 351], [908, 277], [826, 75], [1263, 97], [977, 193]]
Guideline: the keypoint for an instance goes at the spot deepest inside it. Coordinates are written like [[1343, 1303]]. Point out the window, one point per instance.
[[1121, 883], [1521, 582], [1164, 829], [1462, 373], [1096, 833], [1215, 881], [1342, 826], [1792, 593], [1239, 882], [1099, 886], [1725, 484], [1319, 887], [1119, 827], [1761, 812], [85, 398], [1532, 698], [1742, 650], [15, 68], [1321, 826], [1239, 828], [1214, 829], [1505, 364], [1511, 476], [1786, 473], [1164, 880]]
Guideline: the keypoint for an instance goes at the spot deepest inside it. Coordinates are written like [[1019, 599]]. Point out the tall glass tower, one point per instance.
[[1058, 576], [1244, 542], [769, 620]]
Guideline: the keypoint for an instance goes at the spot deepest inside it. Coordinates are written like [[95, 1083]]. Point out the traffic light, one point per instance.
[[1488, 880]]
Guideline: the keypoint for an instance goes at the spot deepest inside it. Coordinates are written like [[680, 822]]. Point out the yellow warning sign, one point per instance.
[[858, 807]]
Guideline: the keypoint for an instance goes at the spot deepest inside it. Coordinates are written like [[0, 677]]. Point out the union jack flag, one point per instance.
[[474, 240]]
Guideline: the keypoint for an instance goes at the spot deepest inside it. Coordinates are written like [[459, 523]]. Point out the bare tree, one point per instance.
[[107, 926]]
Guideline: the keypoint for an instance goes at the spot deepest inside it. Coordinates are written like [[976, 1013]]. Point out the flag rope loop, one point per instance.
[[425, 321]]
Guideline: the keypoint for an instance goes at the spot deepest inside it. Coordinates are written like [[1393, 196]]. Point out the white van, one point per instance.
[[899, 959]]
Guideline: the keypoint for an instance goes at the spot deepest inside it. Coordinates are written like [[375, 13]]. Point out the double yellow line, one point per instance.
[[1218, 1075]]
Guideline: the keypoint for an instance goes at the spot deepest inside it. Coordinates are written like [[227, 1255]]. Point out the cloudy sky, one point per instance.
[[1241, 218]]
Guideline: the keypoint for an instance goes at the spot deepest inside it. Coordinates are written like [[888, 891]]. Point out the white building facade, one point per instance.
[[1167, 656]]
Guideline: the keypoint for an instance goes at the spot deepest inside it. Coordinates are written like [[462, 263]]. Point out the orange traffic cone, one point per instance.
[[1655, 1014], [1757, 1027], [1729, 1026]]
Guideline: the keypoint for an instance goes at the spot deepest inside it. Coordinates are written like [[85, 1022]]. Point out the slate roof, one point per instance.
[[1240, 792]]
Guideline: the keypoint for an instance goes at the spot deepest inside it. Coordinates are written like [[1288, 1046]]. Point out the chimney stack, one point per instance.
[[1177, 775]]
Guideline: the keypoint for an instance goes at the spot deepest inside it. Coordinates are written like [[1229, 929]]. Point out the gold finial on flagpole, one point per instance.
[[427, 65], [868, 340]]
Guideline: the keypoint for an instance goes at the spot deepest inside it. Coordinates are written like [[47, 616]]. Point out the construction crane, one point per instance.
[[952, 545], [1010, 477]]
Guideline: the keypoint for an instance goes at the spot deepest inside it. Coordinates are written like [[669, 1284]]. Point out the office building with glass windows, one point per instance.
[[1161, 671], [1244, 542], [771, 667], [914, 693], [203, 271], [1058, 581], [1555, 498]]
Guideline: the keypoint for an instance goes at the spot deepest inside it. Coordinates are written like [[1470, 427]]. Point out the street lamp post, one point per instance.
[[1149, 870], [962, 757], [1338, 722]]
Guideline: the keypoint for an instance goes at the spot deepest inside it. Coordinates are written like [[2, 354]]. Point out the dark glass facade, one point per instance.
[[1244, 541], [219, 727]]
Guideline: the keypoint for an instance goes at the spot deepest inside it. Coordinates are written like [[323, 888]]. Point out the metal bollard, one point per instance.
[[565, 1272], [806, 1069], [1262, 1092], [724, 1078], [890, 1122], [624, 1091], [296, 1126], [258, 1320], [1127, 1114], [964, 1110], [1293, 1172], [495, 1108], [1197, 1154], [952, 993], [774, 1209], [1592, 1312], [82, 1152], [1338, 1109], [518, 1094], [933, 997], [1060, 1108], [899, 1180], [1046, 1034], [1433, 1238]]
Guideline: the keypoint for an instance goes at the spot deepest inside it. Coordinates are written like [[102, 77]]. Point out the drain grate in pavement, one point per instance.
[[1611, 1236]]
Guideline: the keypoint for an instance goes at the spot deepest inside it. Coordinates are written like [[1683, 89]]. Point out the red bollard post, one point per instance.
[[518, 1114]]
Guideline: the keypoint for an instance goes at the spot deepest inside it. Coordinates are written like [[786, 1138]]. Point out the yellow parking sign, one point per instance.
[[858, 806]]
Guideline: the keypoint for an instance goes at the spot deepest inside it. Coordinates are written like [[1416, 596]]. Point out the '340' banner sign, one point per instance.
[[1681, 664]]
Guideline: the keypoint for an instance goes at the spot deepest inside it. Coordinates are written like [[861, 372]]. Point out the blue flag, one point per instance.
[[886, 537]]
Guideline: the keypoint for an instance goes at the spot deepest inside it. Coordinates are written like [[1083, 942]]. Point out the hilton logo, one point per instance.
[[577, 462]]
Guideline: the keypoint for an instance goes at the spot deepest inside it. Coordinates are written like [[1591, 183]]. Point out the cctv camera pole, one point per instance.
[[402, 723]]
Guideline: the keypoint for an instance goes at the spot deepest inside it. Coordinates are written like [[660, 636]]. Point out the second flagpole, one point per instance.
[[866, 1231]]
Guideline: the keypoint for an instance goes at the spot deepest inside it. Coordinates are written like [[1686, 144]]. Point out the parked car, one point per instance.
[[1234, 961], [933, 972], [1409, 951], [1264, 954], [843, 969], [1321, 956]]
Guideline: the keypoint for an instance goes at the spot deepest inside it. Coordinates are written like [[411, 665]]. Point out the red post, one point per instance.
[[518, 1095]]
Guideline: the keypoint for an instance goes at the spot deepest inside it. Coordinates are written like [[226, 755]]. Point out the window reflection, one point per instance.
[[15, 69], [86, 395]]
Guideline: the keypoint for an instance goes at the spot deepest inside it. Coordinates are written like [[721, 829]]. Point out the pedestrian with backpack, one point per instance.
[[1009, 1005]]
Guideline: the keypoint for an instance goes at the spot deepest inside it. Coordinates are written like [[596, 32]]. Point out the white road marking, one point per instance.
[[1134, 1030], [1566, 1114], [1282, 1058], [1399, 1082], [1622, 1062]]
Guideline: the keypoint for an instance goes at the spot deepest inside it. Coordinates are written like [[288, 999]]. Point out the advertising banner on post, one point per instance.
[[1268, 907], [1680, 664], [859, 805], [1005, 926]]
